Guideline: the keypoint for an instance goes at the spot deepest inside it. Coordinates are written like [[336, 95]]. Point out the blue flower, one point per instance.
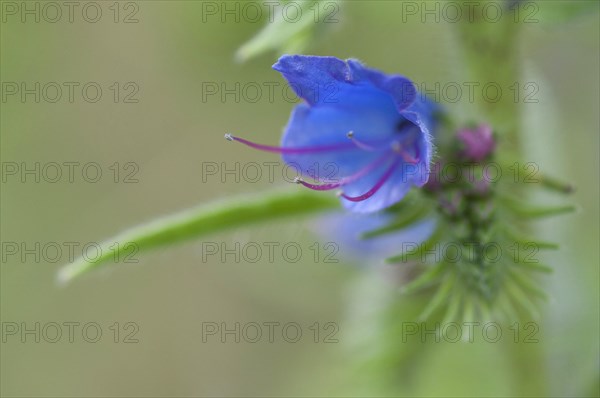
[[376, 129]]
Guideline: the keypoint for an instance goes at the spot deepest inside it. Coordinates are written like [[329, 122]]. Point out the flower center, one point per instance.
[[404, 125]]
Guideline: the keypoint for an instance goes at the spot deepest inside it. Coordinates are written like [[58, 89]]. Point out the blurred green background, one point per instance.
[[169, 53]]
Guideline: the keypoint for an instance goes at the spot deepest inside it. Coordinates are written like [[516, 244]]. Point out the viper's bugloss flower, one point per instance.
[[376, 129]]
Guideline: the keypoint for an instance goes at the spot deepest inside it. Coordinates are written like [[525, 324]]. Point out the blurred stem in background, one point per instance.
[[490, 53]]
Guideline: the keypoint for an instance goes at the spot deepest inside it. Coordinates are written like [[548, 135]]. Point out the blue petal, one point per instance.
[[345, 230], [323, 79], [369, 113], [313, 78], [373, 118], [401, 89], [421, 113]]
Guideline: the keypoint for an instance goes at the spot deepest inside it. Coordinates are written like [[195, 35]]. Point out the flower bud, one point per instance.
[[477, 143]]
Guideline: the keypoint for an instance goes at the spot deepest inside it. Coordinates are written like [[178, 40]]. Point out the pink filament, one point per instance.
[[351, 178], [360, 144], [408, 158], [376, 187], [353, 144], [317, 187], [306, 150]]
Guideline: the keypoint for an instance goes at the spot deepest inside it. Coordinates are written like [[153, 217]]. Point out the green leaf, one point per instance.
[[504, 304], [554, 184], [521, 298], [203, 220], [426, 278], [523, 264], [537, 267], [288, 34], [525, 210], [514, 237], [406, 218], [526, 283], [523, 175], [455, 304], [440, 297]]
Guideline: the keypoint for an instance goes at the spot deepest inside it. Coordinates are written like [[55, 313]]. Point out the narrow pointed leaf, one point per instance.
[[410, 216], [525, 210], [202, 220], [523, 241], [454, 307], [526, 283], [556, 185], [416, 253], [533, 266], [521, 299], [289, 34], [440, 296], [426, 278]]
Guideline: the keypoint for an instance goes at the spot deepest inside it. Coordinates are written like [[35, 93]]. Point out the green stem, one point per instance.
[[489, 50]]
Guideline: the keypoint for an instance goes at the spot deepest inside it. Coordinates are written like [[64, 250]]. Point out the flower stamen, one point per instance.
[[407, 157], [360, 144], [284, 150], [375, 188], [345, 180]]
